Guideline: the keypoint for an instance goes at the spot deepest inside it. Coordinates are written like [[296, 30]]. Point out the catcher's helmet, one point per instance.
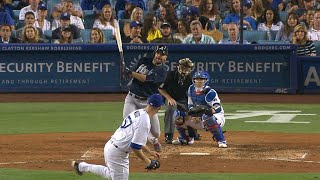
[[185, 66], [201, 75], [161, 49]]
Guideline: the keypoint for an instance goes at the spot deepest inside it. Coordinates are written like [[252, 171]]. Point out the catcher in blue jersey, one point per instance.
[[205, 110]]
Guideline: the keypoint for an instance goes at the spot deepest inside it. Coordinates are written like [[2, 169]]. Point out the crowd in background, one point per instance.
[[160, 21]]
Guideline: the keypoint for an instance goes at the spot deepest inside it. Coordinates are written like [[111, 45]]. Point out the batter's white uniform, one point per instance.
[[134, 129]]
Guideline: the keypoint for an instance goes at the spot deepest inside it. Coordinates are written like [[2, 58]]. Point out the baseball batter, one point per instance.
[[148, 75], [199, 93], [131, 136]]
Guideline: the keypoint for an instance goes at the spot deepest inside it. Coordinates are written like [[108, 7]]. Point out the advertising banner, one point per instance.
[[309, 81]]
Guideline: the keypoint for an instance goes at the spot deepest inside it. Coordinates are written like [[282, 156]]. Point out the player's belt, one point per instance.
[[137, 97], [116, 146]]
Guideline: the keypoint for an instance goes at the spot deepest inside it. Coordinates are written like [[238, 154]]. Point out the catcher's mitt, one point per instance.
[[155, 164], [199, 110]]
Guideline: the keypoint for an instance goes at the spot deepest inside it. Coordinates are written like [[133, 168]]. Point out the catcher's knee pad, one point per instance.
[[218, 133], [209, 122]]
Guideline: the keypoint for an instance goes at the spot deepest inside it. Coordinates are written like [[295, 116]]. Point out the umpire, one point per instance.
[[148, 74], [174, 89]]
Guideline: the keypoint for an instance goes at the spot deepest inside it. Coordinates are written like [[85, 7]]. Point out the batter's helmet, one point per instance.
[[201, 75], [161, 49]]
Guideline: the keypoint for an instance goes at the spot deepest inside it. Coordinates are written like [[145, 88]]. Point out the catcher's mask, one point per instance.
[[201, 75], [185, 66]]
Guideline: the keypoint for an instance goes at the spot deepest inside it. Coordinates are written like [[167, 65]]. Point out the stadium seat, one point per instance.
[[283, 16], [317, 45], [16, 15], [254, 35], [89, 20], [273, 34], [48, 35], [88, 12]]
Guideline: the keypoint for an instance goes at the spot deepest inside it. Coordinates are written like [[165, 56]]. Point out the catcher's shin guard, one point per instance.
[[215, 128]]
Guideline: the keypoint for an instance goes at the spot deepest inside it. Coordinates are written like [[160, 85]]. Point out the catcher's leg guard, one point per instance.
[[215, 128], [182, 133]]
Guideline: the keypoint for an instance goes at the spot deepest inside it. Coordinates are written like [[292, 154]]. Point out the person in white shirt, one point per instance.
[[314, 31], [33, 7], [41, 22], [75, 20], [131, 136], [106, 19], [271, 21]]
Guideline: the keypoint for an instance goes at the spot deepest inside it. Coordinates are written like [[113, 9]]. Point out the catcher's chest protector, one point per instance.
[[199, 98]]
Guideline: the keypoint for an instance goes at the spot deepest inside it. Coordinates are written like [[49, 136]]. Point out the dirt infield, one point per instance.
[[249, 152]]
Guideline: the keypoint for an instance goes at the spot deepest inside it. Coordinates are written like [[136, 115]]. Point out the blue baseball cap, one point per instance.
[[156, 100], [42, 6], [135, 23], [65, 16], [134, 2]]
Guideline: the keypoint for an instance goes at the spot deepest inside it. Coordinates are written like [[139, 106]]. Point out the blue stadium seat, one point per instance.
[[16, 15], [273, 34], [48, 35], [283, 16], [89, 20], [88, 12], [254, 35], [108, 34]]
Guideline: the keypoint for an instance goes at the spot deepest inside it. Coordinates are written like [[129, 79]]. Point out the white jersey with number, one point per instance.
[[134, 129]]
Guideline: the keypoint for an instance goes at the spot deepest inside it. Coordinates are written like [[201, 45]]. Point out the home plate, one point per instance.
[[195, 154]]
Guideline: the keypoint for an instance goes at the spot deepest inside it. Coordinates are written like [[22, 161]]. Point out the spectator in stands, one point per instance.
[[274, 4], [170, 16], [74, 10], [41, 22], [129, 6], [162, 16], [208, 9], [150, 30], [95, 5], [286, 31], [233, 32], [33, 7], [65, 22], [271, 21], [66, 36], [257, 10], [248, 22], [135, 35], [197, 37], [302, 11], [314, 31], [6, 6], [223, 7], [31, 35], [182, 31], [309, 19], [293, 5], [5, 18], [97, 36], [166, 33], [136, 15], [106, 19], [29, 20], [69, 8], [5, 33], [305, 46], [22, 4]]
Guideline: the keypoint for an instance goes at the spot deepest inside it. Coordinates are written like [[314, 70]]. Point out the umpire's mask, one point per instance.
[[185, 66]]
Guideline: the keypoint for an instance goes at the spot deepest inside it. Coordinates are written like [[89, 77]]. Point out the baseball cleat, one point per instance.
[[222, 144], [75, 166], [157, 147], [179, 141]]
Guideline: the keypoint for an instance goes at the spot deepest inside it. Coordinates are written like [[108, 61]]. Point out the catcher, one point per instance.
[[205, 111]]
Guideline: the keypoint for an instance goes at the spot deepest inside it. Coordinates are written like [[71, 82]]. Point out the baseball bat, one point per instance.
[[119, 43]]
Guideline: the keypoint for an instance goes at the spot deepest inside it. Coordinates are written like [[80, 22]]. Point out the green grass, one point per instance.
[[20, 118], [15, 174], [17, 118]]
